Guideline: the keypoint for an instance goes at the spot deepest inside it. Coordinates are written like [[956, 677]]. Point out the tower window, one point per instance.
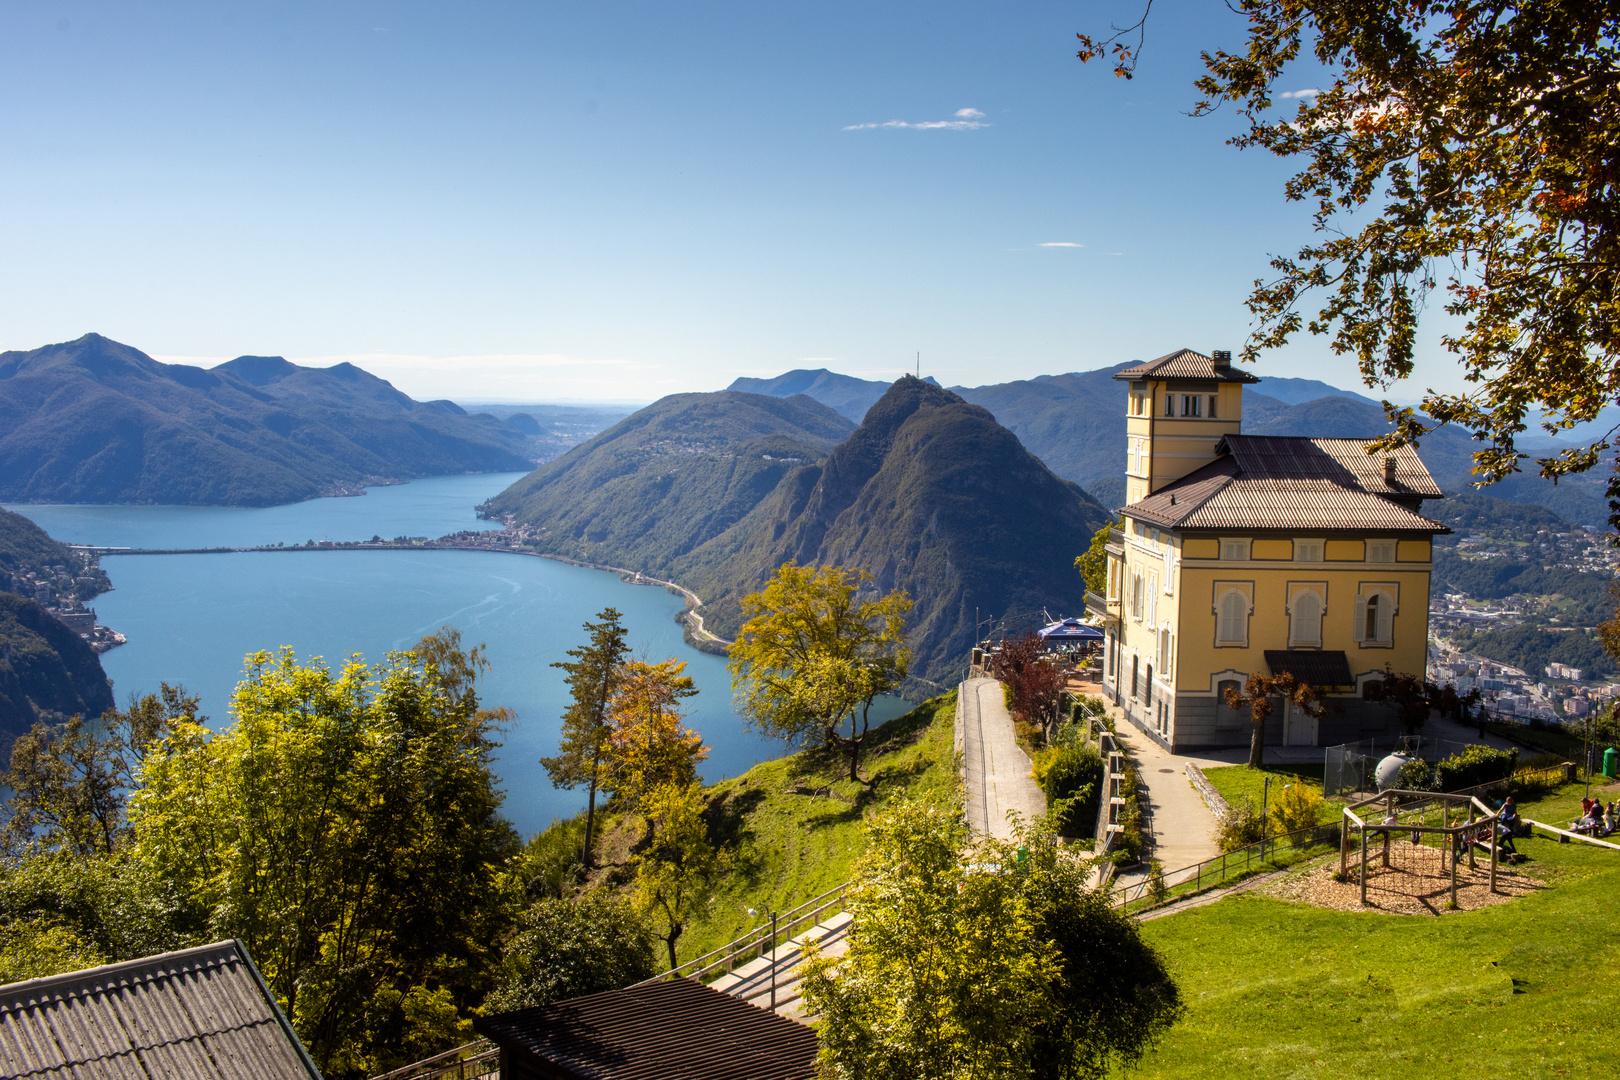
[[1192, 405], [1213, 398], [1169, 404]]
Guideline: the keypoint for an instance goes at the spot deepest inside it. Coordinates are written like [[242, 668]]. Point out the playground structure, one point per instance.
[[1423, 835]]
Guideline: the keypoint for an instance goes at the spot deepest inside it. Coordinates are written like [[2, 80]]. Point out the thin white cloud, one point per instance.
[[1310, 92], [1061, 243], [966, 120]]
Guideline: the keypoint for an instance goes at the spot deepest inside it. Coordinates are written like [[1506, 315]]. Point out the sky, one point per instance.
[[528, 201]]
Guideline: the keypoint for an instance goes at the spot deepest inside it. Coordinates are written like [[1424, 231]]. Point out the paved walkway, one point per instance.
[[997, 768], [1183, 829], [774, 977]]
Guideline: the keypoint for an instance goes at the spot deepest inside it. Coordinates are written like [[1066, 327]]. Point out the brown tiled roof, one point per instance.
[[671, 1030], [1319, 667], [1186, 364], [1340, 460], [1223, 495], [201, 1013]]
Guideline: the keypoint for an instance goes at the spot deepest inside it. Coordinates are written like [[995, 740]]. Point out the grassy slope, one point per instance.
[[1277, 989], [1239, 782], [789, 847]]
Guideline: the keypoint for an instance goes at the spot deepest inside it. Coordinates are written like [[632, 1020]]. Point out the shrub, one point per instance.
[[1131, 843], [1298, 806], [569, 948], [1241, 827], [1070, 769], [1417, 775], [1475, 765]]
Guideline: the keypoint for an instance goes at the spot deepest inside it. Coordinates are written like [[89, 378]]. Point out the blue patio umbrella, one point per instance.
[[1069, 632]]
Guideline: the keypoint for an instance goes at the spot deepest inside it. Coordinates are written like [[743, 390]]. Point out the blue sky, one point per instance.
[[533, 201]]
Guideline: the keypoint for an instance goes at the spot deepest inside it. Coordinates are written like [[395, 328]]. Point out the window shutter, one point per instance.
[[1169, 570], [1360, 618], [1386, 615]]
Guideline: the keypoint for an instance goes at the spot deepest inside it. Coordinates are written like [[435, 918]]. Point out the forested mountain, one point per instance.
[[930, 494], [45, 668], [96, 421], [1075, 423], [670, 477], [47, 672]]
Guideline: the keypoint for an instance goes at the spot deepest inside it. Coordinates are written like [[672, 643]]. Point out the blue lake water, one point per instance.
[[192, 618]]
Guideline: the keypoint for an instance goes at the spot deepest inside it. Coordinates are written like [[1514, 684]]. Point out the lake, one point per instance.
[[192, 618]]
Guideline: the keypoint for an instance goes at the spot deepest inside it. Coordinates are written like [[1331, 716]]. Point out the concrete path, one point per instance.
[[997, 768], [754, 980], [1181, 830]]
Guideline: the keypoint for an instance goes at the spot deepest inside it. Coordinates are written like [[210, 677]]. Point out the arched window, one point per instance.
[[1306, 619], [1375, 618], [1375, 604], [1233, 619]]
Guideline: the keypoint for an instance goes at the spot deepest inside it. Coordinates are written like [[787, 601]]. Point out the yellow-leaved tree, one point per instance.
[[814, 655], [648, 745]]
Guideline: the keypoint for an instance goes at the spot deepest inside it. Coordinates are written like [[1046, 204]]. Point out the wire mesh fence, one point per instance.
[[1349, 768]]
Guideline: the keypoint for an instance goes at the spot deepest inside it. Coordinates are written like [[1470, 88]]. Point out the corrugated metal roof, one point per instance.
[[1319, 667], [1186, 364], [1299, 485], [1346, 461], [667, 1030], [197, 1014]]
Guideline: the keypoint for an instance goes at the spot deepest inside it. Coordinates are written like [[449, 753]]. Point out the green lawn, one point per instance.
[[1237, 782], [1523, 989]]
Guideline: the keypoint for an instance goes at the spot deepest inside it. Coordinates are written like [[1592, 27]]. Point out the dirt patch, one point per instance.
[[1416, 883]]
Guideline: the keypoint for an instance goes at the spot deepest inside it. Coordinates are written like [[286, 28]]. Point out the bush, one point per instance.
[[569, 948], [1241, 827], [1417, 775], [1475, 765], [550, 863], [1298, 806], [1070, 769], [1130, 844]]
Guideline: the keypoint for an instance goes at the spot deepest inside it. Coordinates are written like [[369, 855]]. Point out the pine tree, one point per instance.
[[593, 678]]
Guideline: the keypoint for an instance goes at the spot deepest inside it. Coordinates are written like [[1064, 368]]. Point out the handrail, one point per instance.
[[479, 1052], [754, 940]]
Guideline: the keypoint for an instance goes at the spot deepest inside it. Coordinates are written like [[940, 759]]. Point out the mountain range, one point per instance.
[[95, 421], [929, 494], [1075, 423]]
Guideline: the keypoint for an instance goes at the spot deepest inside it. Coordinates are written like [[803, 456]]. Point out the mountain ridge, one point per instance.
[[94, 420]]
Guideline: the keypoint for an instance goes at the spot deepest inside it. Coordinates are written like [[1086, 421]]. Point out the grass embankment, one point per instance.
[[1238, 782], [1280, 989], [791, 827]]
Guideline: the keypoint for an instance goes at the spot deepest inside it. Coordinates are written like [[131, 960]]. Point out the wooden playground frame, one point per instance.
[[1463, 835]]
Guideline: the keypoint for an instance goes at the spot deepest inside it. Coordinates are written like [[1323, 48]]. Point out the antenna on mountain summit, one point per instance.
[[919, 365]]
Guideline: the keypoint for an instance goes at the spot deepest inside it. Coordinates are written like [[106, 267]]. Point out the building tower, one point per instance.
[[1179, 408]]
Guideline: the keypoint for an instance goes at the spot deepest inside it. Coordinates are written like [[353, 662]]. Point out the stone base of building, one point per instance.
[[1187, 723]]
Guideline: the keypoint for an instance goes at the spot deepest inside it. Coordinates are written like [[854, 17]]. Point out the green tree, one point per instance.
[[593, 678], [346, 828], [1452, 146], [988, 959], [1093, 565], [566, 948], [678, 864], [813, 656], [70, 783]]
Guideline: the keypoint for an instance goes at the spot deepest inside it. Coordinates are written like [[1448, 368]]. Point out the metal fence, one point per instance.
[[1348, 768], [1228, 868]]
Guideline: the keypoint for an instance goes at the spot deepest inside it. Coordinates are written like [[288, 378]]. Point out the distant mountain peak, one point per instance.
[[259, 370]]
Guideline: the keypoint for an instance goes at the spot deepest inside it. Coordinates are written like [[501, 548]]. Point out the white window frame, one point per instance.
[[1241, 545], [1223, 593], [1318, 593], [1384, 628], [1381, 551], [1312, 551]]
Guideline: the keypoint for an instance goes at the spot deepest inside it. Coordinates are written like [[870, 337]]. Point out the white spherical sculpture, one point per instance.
[[1389, 769]]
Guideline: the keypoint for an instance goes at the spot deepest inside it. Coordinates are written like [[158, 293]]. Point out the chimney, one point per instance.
[[1389, 469], [1222, 359]]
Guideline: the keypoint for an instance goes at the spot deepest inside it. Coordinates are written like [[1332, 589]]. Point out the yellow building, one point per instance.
[[1253, 553]]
